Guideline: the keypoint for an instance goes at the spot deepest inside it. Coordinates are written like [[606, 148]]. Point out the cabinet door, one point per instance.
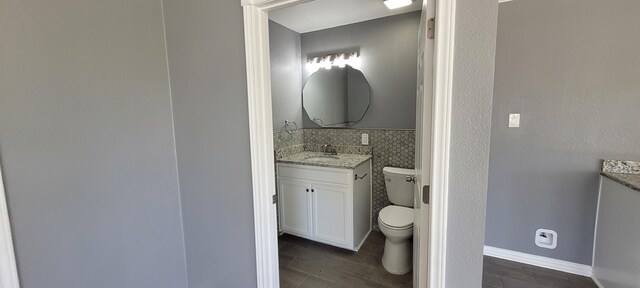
[[295, 207], [329, 213]]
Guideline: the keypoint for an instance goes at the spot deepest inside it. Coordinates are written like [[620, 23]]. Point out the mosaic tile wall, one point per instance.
[[284, 139], [390, 147]]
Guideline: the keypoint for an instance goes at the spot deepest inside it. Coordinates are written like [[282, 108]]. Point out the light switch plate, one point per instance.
[[365, 139], [514, 120]]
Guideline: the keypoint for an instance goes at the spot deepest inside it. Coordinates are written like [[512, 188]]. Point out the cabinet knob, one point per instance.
[[313, 190], [307, 189]]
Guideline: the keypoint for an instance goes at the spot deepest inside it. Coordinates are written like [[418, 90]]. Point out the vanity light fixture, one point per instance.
[[333, 60], [340, 61], [395, 4], [326, 62]]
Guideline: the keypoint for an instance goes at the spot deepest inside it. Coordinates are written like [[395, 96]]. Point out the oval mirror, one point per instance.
[[336, 97]]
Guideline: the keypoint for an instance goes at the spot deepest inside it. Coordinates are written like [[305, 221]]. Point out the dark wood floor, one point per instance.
[[305, 263], [500, 273]]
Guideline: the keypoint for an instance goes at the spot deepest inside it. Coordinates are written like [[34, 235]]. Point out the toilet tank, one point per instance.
[[399, 191]]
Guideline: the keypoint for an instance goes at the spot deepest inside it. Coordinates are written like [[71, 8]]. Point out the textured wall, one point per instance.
[[474, 59], [208, 85], [391, 147], [87, 146], [575, 82], [388, 49], [286, 76]]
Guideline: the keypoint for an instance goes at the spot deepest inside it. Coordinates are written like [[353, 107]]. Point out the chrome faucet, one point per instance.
[[329, 150]]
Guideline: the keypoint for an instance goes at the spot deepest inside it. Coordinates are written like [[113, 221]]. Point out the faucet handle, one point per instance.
[[329, 150]]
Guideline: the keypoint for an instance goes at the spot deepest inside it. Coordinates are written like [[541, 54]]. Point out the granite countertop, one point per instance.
[[345, 161], [626, 173], [630, 180]]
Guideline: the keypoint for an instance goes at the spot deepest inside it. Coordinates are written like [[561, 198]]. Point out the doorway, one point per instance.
[[259, 78]]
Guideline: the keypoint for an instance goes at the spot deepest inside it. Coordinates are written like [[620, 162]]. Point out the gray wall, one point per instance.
[[286, 75], [474, 58], [388, 49], [87, 144], [208, 83], [575, 81]]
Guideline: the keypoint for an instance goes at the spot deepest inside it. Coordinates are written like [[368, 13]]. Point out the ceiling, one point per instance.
[[323, 14]]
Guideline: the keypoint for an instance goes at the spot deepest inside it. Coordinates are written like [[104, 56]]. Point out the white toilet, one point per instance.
[[396, 220]]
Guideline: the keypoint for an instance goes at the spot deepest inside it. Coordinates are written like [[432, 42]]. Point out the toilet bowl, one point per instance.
[[396, 221]]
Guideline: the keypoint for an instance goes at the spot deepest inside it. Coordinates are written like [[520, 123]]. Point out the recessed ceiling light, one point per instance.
[[394, 4]]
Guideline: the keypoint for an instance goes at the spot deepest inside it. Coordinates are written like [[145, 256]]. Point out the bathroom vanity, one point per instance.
[[326, 198]]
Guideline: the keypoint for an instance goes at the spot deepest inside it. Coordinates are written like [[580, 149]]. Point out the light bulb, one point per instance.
[[395, 4]]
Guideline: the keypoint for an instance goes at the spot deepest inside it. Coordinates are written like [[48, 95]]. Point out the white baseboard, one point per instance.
[[597, 281], [544, 262]]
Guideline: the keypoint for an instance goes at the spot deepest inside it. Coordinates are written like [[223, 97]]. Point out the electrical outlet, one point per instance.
[[514, 120], [546, 238], [365, 139]]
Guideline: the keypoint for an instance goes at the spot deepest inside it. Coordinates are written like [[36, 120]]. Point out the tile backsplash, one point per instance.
[[284, 139], [389, 147]]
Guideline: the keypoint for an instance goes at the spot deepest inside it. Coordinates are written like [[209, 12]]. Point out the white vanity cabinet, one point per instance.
[[328, 205]]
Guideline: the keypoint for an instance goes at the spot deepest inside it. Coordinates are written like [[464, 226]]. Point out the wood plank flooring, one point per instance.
[[305, 263], [499, 273]]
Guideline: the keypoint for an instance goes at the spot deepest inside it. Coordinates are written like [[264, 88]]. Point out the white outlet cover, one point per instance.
[[549, 240], [365, 139], [514, 120]]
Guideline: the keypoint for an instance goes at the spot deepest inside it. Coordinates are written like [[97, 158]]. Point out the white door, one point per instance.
[[329, 212], [8, 269], [423, 147], [295, 207]]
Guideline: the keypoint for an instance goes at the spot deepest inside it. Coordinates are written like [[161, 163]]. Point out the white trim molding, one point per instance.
[[535, 260], [256, 35], [598, 283], [441, 139], [261, 144], [8, 268]]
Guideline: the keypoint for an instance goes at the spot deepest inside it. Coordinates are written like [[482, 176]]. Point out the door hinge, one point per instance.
[[431, 28], [426, 193], [274, 198]]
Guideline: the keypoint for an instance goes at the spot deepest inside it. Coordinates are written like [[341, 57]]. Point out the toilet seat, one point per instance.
[[396, 217]]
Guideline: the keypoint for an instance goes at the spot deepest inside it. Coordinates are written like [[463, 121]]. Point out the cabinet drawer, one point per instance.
[[328, 175]]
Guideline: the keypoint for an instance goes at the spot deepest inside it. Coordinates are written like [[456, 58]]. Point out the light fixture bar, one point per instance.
[[395, 4], [333, 60]]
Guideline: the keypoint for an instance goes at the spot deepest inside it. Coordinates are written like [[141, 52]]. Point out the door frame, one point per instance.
[[256, 32], [440, 141], [8, 268]]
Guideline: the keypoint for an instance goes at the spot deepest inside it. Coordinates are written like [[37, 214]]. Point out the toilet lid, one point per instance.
[[396, 216]]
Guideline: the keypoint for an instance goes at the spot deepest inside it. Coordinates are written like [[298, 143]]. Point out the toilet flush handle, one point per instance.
[[411, 179]]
